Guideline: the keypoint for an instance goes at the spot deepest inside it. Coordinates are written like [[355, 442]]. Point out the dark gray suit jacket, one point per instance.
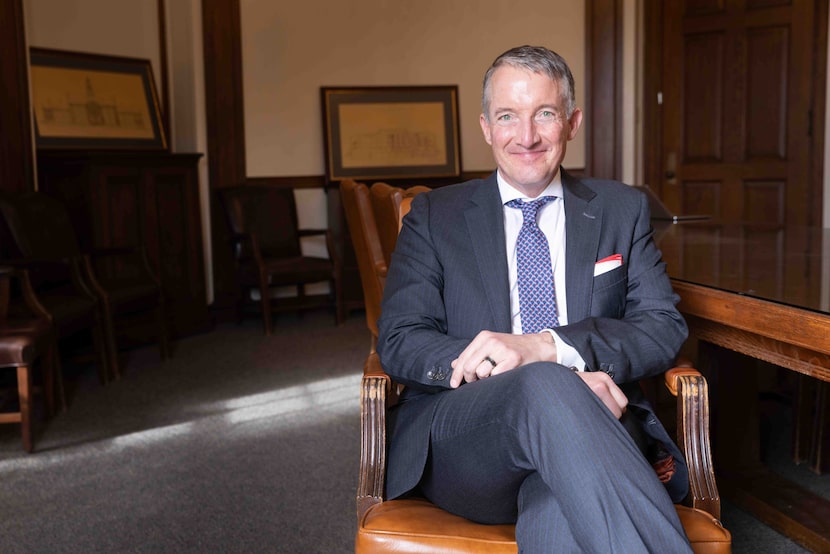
[[448, 281]]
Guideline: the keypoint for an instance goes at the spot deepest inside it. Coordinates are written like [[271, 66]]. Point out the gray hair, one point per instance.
[[536, 59]]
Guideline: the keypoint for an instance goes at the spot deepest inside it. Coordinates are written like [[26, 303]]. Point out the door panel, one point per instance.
[[736, 120]]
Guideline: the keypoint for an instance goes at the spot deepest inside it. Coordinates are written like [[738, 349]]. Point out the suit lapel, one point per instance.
[[583, 221], [485, 225]]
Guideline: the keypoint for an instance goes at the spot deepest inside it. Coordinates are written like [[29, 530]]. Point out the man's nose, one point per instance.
[[528, 133]]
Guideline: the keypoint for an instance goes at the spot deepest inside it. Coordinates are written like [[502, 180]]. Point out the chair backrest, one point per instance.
[[40, 225], [270, 213], [390, 204], [371, 262], [386, 201]]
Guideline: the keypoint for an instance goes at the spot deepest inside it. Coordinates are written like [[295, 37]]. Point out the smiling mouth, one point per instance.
[[529, 153]]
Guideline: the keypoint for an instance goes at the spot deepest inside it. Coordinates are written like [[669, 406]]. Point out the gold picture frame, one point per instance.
[[391, 132], [91, 101]]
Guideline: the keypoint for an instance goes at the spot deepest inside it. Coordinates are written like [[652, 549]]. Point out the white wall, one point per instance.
[[114, 27], [291, 49]]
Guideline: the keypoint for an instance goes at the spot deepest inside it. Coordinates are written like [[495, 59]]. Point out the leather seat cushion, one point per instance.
[[298, 269], [22, 340], [705, 532], [417, 526]]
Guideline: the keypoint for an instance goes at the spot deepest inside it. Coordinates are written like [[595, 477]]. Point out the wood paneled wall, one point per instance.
[[16, 157]]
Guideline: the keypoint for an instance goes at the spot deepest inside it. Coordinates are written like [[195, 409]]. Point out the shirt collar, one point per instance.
[[509, 193]]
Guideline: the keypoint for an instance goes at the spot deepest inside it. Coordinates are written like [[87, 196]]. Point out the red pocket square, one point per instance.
[[607, 264], [612, 258]]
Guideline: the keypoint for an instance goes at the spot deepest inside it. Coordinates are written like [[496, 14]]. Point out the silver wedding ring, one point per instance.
[[489, 359]]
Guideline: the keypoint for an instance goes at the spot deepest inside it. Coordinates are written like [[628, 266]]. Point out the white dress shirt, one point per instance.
[[551, 220]]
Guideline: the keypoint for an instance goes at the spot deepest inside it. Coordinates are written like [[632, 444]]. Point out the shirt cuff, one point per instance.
[[565, 353]]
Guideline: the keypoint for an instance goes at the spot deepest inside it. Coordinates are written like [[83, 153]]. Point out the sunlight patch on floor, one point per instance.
[[325, 394], [325, 398]]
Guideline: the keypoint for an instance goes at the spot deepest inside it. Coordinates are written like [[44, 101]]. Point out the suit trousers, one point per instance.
[[537, 447]]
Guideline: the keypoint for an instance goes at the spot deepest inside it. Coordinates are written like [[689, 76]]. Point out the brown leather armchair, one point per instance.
[[24, 340], [416, 525], [80, 290], [387, 201], [372, 263], [265, 237]]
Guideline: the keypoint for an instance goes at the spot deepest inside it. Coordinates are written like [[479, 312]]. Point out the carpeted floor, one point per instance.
[[239, 443]]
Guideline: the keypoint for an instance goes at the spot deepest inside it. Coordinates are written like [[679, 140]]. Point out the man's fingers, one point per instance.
[[619, 396], [607, 391]]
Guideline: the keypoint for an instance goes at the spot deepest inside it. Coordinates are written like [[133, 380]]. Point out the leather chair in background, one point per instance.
[[24, 340], [386, 205], [81, 290], [415, 524], [267, 249], [374, 217], [371, 262]]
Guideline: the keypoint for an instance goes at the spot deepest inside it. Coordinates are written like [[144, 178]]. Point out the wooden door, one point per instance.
[[738, 109], [735, 126]]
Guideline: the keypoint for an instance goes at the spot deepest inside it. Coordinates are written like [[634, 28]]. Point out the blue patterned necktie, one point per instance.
[[537, 297]]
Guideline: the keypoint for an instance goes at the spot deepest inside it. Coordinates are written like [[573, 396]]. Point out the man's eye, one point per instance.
[[547, 114], [505, 117]]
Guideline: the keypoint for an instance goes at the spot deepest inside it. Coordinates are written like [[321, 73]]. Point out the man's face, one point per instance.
[[527, 128]]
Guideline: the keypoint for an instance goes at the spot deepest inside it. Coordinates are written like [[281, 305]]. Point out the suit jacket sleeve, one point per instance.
[[630, 327], [415, 343]]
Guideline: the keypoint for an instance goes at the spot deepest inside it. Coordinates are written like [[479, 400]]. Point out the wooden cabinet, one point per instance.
[[148, 199]]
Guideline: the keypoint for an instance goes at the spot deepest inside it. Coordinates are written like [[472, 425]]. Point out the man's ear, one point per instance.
[[485, 128], [574, 122]]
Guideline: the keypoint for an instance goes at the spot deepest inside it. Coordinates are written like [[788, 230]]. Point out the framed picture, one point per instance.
[[391, 132], [89, 101]]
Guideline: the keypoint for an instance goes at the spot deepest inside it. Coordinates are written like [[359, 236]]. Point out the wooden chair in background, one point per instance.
[[24, 340], [59, 291], [82, 289], [415, 524], [267, 250]]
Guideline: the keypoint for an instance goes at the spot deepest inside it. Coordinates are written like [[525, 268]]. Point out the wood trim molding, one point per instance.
[[225, 113], [818, 111], [164, 67], [225, 116], [603, 86], [652, 77], [16, 155]]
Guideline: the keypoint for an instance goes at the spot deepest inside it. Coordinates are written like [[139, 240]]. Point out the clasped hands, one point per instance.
[[493, 353]]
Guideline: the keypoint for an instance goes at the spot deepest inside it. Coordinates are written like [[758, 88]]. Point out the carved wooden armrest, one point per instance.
[[373, 391], [692, 392]]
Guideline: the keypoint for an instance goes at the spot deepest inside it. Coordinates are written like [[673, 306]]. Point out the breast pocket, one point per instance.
[[609, 293]]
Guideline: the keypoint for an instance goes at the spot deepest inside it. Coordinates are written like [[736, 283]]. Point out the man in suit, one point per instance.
[[521, 401]]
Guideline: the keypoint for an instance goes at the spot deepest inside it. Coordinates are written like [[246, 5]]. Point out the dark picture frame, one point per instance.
[[94, 102], [391, 132]]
